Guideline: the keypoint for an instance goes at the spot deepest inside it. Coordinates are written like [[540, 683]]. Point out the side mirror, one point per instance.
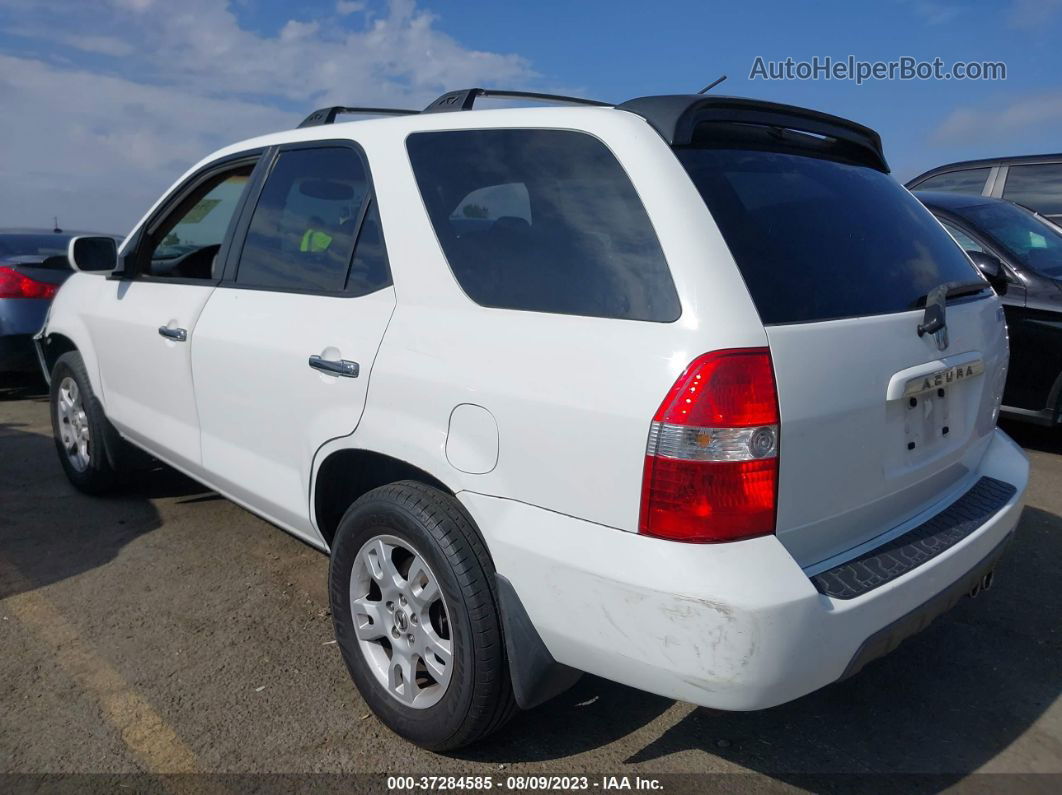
[[92, 253], [991, 268]]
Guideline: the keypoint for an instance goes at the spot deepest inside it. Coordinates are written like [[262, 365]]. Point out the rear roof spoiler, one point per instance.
[[675, 116]]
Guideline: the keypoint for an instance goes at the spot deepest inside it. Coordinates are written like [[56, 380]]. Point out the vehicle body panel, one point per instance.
[[147, 378], [20, 319], [595, 383], [282, 411], [729, 626], [857, 461]]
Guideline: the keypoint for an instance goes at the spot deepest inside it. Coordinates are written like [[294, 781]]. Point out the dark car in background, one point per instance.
[[1021, 253], [1031, 180], [33, 264]]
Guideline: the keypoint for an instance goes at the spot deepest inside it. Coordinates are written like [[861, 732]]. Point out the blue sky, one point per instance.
[[107, 101]]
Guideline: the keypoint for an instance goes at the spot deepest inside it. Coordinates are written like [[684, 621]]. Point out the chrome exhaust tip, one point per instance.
[[983, 584]]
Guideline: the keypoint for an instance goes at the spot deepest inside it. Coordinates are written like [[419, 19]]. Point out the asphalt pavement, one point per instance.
[[167, 630]]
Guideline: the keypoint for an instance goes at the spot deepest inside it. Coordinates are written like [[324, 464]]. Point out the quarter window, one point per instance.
[[971, 180], [543, 221], [306, 224]]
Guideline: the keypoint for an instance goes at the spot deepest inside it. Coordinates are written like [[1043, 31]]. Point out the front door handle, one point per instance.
[[175, 334], [343, 367]]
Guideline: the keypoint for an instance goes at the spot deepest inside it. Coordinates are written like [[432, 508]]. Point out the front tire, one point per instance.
[[416, 618], [84, 438]]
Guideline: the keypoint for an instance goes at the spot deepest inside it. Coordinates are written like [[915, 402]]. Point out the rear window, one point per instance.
[[33, 245], [819, 240], [543, 221]]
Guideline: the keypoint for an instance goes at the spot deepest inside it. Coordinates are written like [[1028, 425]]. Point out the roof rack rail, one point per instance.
[[328, 115], [466, 97]]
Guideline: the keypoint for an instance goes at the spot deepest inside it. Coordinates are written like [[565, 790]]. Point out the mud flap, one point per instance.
[[535, 675]]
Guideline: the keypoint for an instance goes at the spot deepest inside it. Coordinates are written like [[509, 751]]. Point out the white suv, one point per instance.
[[685, 392]]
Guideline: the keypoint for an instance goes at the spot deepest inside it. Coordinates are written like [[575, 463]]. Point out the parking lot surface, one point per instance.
[[168, 630]]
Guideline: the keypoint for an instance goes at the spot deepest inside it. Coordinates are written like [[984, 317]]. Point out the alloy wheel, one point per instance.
[[401, 621], [74, 431]]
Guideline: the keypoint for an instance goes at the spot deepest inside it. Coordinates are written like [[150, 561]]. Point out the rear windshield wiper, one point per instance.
[[951, 290], [935, 300]]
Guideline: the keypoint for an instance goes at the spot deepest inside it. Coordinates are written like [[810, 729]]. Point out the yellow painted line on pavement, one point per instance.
[[154, 744]]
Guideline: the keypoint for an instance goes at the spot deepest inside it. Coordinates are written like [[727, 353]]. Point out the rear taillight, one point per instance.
[[711, 464], [14, 285]]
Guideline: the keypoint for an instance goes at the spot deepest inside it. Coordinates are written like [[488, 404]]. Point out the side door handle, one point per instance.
[[175, 334], [343, 367]]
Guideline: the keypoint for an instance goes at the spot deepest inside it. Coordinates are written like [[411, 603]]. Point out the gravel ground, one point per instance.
[[169, 631]]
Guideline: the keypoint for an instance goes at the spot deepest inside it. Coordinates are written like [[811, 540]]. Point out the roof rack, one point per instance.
[[465, 98], [328, 115]]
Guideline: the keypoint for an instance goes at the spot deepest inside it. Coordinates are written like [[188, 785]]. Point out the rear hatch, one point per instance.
[[879, 424]]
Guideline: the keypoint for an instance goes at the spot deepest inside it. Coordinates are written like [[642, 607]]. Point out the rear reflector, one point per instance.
[[711, 463], [14, 285]]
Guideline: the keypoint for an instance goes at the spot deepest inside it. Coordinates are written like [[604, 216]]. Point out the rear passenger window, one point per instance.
[[305, 227], [971, 180], [543, 221], [1037, 186]]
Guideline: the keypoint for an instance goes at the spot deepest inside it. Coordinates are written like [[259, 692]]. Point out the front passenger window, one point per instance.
[[188, 241]]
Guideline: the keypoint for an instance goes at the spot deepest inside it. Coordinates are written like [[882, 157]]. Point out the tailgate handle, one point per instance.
[[899, 382]]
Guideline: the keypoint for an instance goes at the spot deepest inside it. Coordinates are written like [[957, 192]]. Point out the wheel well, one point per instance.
[[347, 474], [55, 345]]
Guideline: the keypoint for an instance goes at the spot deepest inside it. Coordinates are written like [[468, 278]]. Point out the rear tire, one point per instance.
[[88, 445], [391, 542]]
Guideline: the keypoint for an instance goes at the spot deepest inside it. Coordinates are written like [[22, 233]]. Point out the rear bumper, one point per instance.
[[732, 626], [20, 319], [17, 354]]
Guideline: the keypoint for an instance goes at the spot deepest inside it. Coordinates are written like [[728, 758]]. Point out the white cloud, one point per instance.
[[936, 12], [344, 7], [97, 150], [994, 123], [294, 30], [1033, 14], [105, 45], [98, 145], [134, 5]]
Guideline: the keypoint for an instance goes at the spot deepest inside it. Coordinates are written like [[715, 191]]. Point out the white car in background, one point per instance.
[[685, 392]]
